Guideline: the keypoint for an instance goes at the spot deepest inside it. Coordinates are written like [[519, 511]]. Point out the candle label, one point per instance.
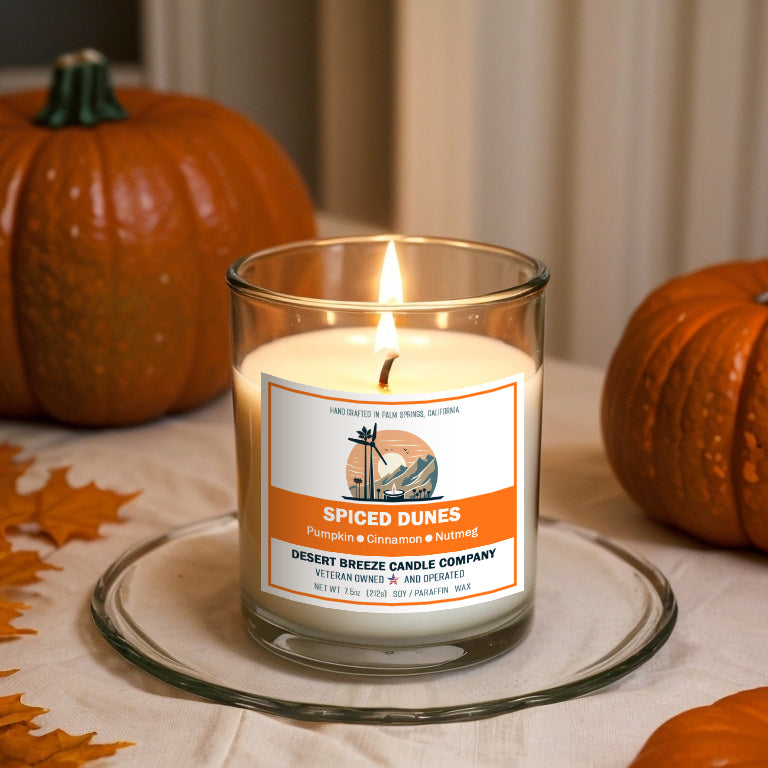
[[381, 504]]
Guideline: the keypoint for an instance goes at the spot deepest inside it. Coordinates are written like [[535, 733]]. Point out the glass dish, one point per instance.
[[171, 606]]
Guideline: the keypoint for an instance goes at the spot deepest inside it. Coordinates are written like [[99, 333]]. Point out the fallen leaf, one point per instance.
[[8, 612], [13, 711], [10, 469], [17, 508], [65, 513], [61, 512], [17, 568], [57, 749], [19, 748]]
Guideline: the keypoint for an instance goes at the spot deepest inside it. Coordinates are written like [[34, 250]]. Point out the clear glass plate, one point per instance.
[[171, 606]]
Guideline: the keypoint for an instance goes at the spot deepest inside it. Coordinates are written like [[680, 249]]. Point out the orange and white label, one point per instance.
[[383, 504]]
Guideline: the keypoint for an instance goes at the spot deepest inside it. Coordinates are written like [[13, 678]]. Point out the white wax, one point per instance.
[[342, 359]]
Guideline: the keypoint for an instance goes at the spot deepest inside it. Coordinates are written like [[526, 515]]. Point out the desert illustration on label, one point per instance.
[[390, 465]]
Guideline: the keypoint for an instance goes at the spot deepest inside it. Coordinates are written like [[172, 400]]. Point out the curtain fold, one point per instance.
[[620, 141]]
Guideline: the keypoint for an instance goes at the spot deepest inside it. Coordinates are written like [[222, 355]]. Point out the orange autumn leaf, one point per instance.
[[9, 611], [19, 748], [12, 711], [17, 568], [10, 469], [58, 509], [65, 512], [16, 508], [57, 749], [62, 512]]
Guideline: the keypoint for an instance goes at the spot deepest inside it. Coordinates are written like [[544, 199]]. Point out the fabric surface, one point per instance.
[[185, 468]]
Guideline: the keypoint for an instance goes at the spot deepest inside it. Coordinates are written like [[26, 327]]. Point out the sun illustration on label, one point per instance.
[[390, 465]]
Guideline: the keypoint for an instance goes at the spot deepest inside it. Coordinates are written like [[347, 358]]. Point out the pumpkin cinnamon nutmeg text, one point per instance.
[[121, 215], [685, 405]]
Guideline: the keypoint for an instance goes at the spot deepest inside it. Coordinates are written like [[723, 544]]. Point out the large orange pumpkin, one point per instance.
[[685, 404], [115, 234], [731, 732]]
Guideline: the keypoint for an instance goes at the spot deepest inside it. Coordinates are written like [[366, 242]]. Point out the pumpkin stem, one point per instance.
[[81, 93]]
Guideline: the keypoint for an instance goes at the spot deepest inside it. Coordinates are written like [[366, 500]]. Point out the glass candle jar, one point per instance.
[[387, 395]]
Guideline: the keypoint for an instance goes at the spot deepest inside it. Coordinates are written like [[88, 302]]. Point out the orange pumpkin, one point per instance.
[[685, 404], [115, 235], [731, 732]]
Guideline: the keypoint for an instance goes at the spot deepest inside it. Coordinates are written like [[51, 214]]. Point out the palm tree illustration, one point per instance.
[[358, 482], [367, 438]]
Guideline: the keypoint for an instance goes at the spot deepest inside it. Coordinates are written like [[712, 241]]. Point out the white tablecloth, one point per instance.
[[186, 470]]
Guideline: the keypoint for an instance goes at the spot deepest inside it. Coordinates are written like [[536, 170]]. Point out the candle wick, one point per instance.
[[385, 369]]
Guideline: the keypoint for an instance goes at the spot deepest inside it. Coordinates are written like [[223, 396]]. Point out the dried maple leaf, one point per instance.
[[12, 711], [17, 508], [10, 469], [8, 612], [64, 512], [57, 749], [17, 568]]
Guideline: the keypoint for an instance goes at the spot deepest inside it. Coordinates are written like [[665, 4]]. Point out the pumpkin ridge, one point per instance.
[[185, 198], [712, 281], [16, 107], [34, 406], [60, 350], [751, 374], [637, 396], [159, 109], [264, 222], [635, 341], [624, 430], [167, 391], [142, 104], [110, 219], [661, 426], [280, 161], [670, 440], [741, 281]]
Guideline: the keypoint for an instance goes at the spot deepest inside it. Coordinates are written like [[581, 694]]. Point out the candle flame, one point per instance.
[[390, 292], [391, 283]]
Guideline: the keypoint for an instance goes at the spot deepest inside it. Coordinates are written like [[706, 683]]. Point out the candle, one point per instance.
[[388, 452], [394, 495], [430, 362]]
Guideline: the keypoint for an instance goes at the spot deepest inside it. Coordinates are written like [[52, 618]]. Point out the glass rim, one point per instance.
[[535, 284]]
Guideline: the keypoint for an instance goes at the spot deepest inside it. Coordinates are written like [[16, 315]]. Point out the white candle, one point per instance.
[[431, 362]]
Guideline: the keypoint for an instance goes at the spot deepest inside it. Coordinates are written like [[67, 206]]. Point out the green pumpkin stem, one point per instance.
[[81, 92]]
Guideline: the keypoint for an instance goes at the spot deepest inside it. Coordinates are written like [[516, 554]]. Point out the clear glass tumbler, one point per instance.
[[387, 395]]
